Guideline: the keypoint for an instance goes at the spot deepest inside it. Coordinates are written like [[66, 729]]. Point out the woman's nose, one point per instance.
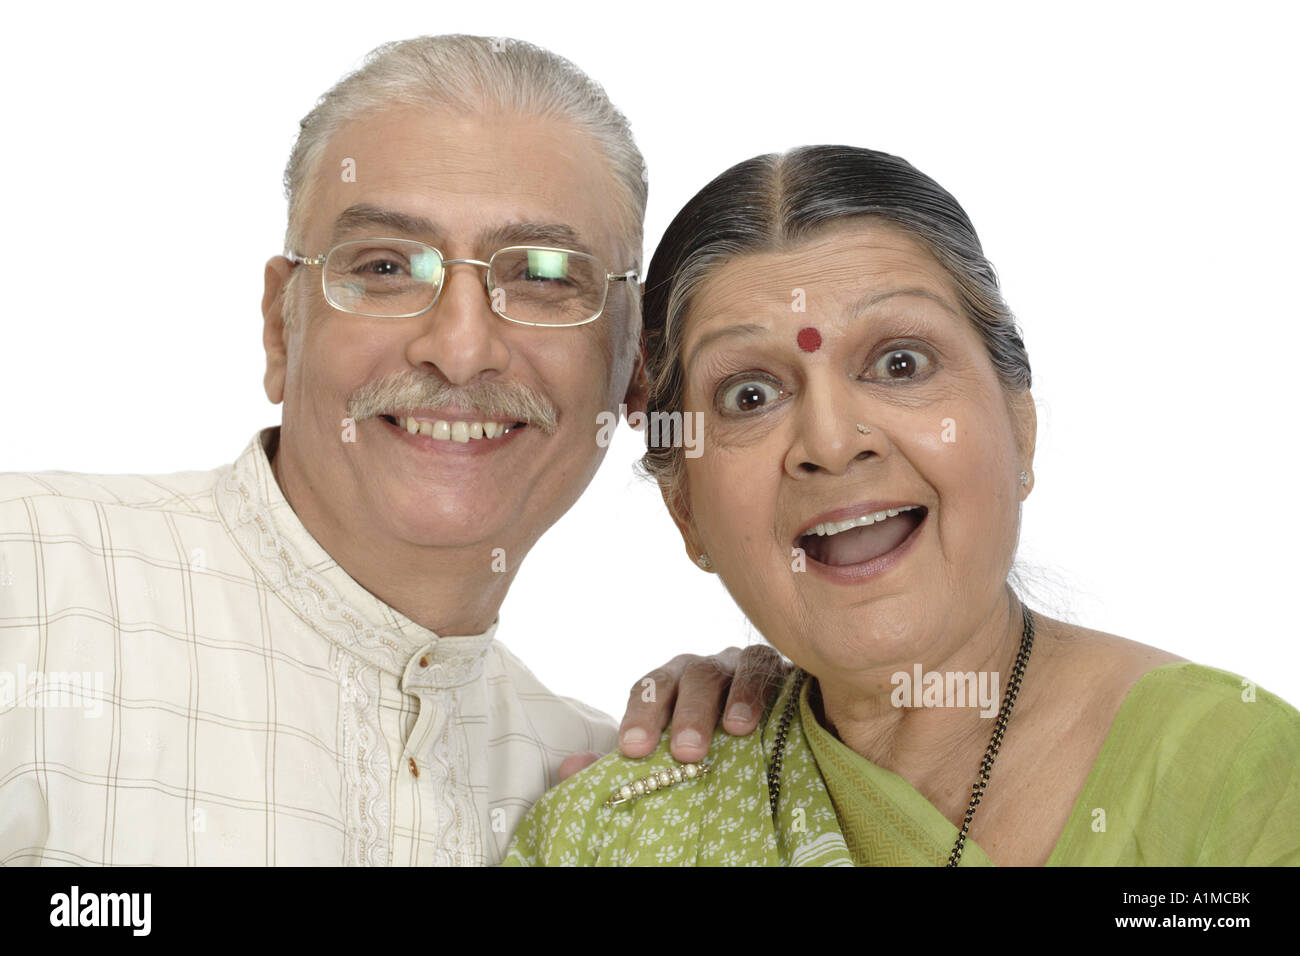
[[826, 435]]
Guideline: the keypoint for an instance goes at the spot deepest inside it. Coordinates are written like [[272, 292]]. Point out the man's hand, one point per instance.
[[692, 692]]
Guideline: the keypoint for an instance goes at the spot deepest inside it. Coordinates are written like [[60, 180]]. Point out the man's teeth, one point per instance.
[[835, 527], [454, 431]]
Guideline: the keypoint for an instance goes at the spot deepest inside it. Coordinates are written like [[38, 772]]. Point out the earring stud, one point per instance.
[[1024, 477], [704, 562]]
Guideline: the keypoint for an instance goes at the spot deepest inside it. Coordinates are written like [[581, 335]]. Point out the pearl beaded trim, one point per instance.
[[657, 781]]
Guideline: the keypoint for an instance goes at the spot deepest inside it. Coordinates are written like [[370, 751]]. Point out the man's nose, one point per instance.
[[461, 336]]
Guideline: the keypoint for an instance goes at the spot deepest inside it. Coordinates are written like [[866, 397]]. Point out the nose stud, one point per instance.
[[864, 429]]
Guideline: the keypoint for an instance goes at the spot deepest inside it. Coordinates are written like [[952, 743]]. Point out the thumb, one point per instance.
[[575, 762]]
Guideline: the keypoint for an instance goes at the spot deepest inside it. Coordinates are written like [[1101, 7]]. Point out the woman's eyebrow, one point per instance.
[[745, 329], [871, 299], [863, 304]]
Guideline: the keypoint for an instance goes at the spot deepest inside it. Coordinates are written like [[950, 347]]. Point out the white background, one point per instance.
[[1131, 169]]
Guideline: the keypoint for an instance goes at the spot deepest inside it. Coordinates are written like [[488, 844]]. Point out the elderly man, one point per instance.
[[291, 659]]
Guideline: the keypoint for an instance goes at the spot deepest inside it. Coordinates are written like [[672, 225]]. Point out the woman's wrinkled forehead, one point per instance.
[[804, 289]]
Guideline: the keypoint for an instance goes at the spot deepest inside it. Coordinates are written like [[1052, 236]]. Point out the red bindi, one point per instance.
[[809, 339]]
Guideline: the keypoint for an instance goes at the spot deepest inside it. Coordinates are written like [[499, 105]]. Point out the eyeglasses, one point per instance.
[[401, 278]]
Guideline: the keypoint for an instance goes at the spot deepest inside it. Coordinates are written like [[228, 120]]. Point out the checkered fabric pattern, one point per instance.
[[188, 678]]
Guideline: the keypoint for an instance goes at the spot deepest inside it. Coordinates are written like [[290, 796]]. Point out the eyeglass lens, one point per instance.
[[402, 277]]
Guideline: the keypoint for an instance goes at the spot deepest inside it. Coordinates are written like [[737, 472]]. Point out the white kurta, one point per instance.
[[187, 677]]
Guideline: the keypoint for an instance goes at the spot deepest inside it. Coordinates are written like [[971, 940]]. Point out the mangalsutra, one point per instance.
[[986, 764]]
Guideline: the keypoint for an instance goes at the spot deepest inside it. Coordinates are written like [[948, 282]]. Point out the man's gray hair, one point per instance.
[[473, 74]]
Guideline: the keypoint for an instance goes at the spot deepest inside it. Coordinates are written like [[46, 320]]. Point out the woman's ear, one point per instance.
[[679, 507], [1024, 421]]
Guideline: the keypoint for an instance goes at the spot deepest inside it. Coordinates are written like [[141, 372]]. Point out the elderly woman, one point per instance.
[[869, 441]]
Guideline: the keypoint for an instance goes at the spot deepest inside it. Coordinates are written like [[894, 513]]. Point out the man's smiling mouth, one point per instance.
[[458, 431], [861, 538]]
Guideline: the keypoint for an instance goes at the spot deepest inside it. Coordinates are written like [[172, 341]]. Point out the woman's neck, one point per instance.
[[926, 732]]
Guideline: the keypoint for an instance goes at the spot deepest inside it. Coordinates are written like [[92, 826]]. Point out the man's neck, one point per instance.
[[430, 586]]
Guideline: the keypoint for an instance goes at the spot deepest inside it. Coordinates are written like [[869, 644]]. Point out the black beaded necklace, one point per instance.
[[986, 764]]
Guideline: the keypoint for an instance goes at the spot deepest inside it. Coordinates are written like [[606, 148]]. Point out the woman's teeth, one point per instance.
[[454, 431], [835, 527]]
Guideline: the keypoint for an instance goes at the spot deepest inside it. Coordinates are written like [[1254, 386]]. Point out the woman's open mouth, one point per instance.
[[866, 542]]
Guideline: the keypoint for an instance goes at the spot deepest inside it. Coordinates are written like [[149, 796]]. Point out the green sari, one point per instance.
[[1199, 769]]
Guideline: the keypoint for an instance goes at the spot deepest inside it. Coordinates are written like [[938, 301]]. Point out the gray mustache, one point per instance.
[[401, 390]]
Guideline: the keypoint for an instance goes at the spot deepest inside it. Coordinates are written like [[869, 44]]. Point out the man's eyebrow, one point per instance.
[[871, 299], [532, 234], [489, 241], [747, 329], [364, 214]]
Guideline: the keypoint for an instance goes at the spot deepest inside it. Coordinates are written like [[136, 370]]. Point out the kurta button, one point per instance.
[[424, 661], [415, 771]]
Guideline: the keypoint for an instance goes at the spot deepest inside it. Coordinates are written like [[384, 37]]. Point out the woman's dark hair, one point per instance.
[[770, 202]]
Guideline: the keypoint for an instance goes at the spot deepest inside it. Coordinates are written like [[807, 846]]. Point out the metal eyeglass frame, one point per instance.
[[630, 276]]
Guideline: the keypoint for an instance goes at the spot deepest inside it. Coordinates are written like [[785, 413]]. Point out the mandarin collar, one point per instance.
[[284, 553]]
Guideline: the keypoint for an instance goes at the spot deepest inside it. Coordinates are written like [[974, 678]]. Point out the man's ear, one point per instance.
[[276, 279], [638, 388], [679, 507]]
